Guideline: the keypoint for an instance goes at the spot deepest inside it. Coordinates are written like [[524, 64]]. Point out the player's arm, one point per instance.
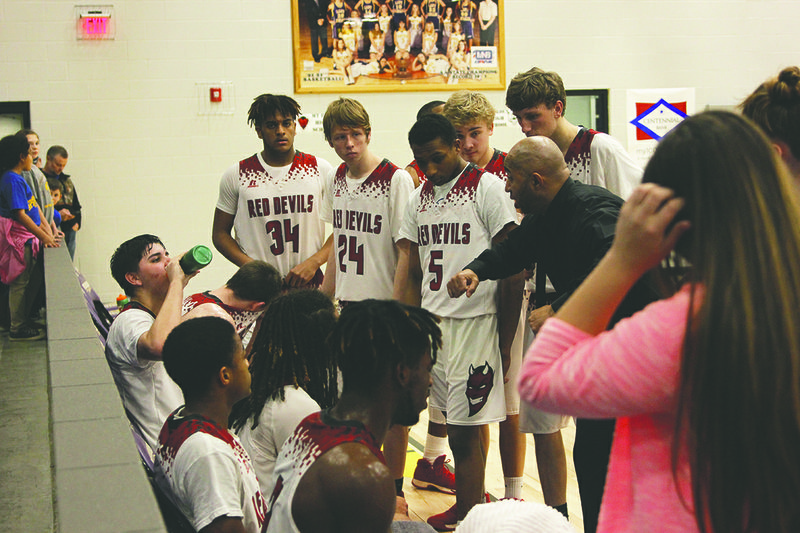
[[400, 291], [223, 240], [509, 303], [414, 291], [225, 524], [537, 317], [22, 217], [329, 281], [151, 342], [305, 271]]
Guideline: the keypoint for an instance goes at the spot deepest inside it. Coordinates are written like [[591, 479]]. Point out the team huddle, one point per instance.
[[398, 234], [443, 271]]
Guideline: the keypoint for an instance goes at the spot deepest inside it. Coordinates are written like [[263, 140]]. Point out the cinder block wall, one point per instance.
[[144, 161]]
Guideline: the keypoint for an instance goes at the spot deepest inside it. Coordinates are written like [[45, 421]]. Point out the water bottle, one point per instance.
[[195, 259]]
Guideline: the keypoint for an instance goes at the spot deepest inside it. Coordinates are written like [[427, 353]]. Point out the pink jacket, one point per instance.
[[13, 237], [629, 373]]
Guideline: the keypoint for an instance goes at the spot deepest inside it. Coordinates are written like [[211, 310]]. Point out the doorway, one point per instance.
[[14, 116]]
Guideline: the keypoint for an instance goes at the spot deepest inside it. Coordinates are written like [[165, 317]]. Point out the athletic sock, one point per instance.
[[563, 510], [434, 447], [513, 487], [398, 487]]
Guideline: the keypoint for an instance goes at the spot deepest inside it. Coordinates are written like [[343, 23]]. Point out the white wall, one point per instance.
[[144, 161]]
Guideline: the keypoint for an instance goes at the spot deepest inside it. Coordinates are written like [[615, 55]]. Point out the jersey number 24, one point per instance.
[[353, 253]]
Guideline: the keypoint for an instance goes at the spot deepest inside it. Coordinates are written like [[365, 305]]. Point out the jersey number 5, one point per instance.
[[435, 268], [282, 234], [356, 254]]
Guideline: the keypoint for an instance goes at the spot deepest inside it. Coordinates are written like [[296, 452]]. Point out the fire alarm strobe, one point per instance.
[[216, 94]]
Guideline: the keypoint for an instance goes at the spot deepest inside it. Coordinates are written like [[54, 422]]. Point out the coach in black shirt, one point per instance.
[[568, 228]]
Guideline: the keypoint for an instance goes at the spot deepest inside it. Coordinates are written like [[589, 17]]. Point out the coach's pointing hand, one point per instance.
[[465, 281]]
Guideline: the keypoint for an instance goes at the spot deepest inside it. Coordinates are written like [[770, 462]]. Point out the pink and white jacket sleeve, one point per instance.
[[629, 370]]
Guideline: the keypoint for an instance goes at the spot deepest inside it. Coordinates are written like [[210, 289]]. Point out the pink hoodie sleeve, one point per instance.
[[629, 370]]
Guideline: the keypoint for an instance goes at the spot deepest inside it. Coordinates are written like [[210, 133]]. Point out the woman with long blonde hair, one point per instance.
[[705, 384]]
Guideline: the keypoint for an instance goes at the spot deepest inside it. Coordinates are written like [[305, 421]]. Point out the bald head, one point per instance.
[[536, 171], [538, 154]]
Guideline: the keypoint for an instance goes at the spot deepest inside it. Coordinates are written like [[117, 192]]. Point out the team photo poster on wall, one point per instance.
[[398, 45]]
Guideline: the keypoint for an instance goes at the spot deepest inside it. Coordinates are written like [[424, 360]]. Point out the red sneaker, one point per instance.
[[448, 520], [434, 476], [445, 521]]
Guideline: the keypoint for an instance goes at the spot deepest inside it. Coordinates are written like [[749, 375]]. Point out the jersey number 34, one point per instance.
[[282, 234]]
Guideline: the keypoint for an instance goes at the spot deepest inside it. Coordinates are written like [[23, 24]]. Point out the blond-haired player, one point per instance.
[[472, 115], [368, 259]]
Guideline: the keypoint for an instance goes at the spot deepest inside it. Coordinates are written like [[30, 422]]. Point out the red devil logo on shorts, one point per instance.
[[479, 385]]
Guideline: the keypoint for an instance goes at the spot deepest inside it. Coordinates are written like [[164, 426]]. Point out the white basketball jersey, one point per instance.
[[279, 212], [314, 436], [452, 224], [367, 215]]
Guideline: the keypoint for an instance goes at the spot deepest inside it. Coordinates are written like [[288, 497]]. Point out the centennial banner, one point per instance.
[[400, 45], [652, 113]]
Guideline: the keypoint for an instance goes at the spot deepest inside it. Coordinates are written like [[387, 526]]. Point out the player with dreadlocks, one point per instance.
[[330, 474], [294, 375], [275, 199]]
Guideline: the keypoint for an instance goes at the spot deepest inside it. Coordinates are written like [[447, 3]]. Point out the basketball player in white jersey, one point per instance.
[[368, 258], [458, 209], [275, 200], [473, 117], [199, 463], [330, 474], [244, 297]]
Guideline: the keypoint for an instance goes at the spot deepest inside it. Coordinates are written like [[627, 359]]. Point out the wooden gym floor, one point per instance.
[[424, 503]]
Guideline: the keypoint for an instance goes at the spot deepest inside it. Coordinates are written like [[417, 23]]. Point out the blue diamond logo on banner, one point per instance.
[[659, 119]]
